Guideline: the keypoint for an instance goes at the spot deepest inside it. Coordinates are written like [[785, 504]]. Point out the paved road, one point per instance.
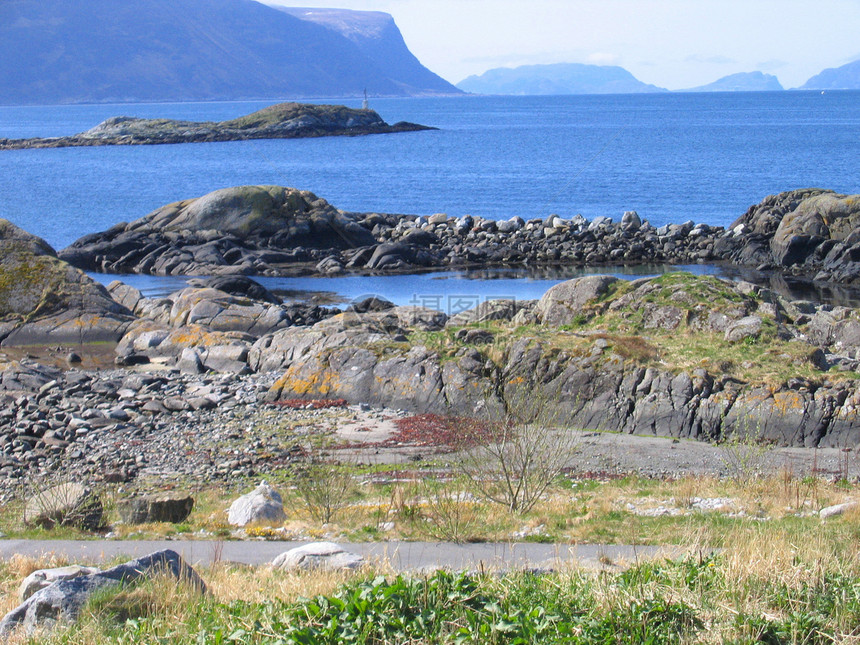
[[400, 556]]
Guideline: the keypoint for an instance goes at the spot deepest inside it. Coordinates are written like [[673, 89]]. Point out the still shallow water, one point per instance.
[[456, 291]]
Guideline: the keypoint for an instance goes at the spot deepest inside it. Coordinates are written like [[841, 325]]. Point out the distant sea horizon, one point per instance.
[[669, 156]]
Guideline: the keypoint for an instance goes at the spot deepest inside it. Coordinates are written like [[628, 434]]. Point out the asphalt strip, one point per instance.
[[396, 556]]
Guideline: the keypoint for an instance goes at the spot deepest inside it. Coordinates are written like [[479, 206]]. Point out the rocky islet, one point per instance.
[[277, 231], [281, 121], [272, 231]]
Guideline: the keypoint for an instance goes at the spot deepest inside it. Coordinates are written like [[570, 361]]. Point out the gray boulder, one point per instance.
[[26, 376], [65, 599], [399, 255], [189, 362], [631, 220], [263, 505], [816, 218], [810, 232], [839, 327], [281, 349], [837, 509], [156, 508], [326, 556], [563, 302], [340, 366], [502, 309], [746, 327], [238, 285], [232, 358], [126, 295], [155, 341], [370, 304], [510, 225], [220, 311], [420, 318], [599, 222]]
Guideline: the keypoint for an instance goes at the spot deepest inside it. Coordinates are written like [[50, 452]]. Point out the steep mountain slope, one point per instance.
[[561, 78], [60, 51], [846, 77], [377, 36]]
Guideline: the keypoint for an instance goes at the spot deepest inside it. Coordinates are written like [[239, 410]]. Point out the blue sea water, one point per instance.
[[671, 157]]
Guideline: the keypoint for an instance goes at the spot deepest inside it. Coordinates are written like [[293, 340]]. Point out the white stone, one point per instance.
[[836, 510], [263, 505], [44, 577], [318, 555], [747, 327], [597, 222]]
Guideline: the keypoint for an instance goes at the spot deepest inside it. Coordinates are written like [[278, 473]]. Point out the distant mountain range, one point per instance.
[[846, 77], [96, 51], [66, 51], [577, 78], [743, 82], [560, 78]]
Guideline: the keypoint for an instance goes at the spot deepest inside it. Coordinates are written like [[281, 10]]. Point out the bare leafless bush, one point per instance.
[[324, 486], [513, 454]]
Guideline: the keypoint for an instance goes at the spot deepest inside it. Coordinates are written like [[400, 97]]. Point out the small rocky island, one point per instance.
[[281, 121]]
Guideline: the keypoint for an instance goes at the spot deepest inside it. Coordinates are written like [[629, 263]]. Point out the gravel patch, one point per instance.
[[147, 429]]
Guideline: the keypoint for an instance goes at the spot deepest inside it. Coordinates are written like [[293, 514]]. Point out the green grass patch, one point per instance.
[[698, 599]]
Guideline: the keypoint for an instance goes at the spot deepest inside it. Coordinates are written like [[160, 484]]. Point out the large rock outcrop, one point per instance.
[[45, 300], [276, 231], [204, 328], [663, 356], [812, 232], [234, 230]]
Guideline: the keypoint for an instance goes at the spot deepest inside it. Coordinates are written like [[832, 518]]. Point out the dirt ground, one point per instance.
[[383, 436]]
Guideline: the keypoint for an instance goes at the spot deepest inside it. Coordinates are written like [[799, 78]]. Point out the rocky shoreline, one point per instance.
[[683, 356], [204, 369], [276, 231], [282, 121], [150, 430]]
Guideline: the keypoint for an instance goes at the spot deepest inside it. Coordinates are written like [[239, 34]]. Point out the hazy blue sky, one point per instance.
[[670, 43]]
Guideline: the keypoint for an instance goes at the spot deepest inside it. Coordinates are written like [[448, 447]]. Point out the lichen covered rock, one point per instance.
[[810, 232], [45, 300]]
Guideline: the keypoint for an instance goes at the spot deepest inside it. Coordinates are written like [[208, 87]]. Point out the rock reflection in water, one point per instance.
[[436, 289]]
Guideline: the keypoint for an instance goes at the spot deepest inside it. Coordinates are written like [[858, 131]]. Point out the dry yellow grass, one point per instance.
[[229, 583], [18, 567]]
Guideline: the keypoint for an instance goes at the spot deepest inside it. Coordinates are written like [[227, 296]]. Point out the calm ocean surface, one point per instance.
[[671, 157]]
